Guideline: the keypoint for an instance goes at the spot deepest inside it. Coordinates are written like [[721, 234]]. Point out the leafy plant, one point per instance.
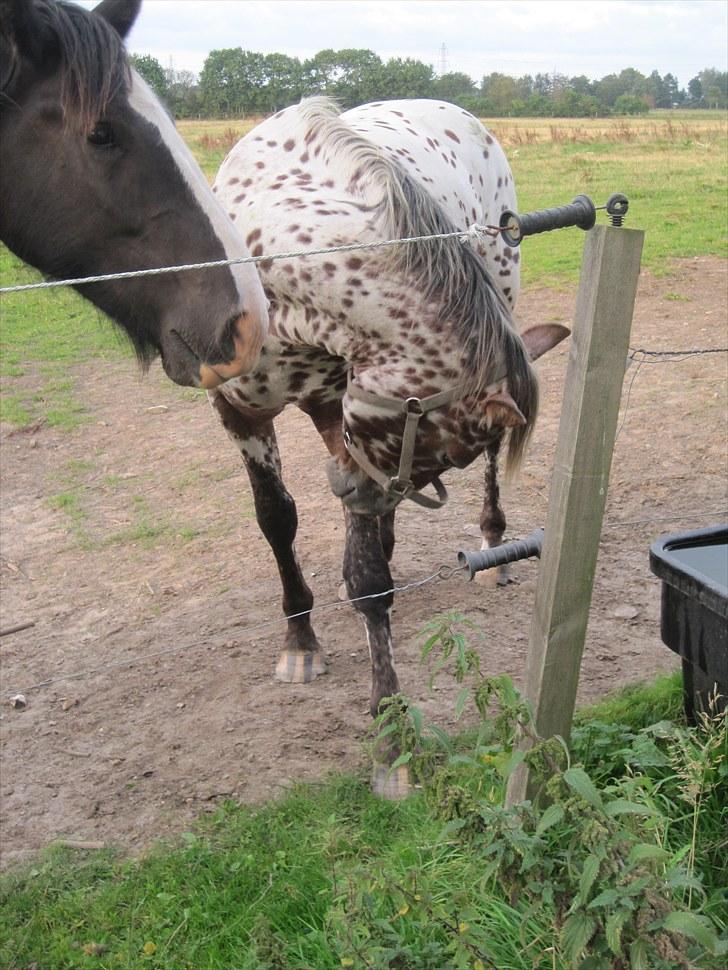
[[604, 861]]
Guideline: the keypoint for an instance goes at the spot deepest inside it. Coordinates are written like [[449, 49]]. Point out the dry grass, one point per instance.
[[693, 127]]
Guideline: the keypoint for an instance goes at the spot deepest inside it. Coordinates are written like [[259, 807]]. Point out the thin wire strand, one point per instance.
[[246, 632], [626, 403], [471, 234]]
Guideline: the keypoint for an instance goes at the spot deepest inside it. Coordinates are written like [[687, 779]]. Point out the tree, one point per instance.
[[695, 92], [454, 86], [715, 87], [352, 76], [630, 104], [283, 82], [500, 91], [151, 71], [407, 78], [231, 82], [183, 94]]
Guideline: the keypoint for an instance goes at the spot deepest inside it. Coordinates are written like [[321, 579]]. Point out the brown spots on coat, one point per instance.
[[289, 145], [303, 237], [233, 181], [252, 237], [452, 135]]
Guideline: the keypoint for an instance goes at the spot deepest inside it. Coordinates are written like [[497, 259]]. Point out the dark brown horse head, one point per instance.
[[94, 180]]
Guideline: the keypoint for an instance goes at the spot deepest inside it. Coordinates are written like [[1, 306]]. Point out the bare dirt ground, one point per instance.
[[134, 535]]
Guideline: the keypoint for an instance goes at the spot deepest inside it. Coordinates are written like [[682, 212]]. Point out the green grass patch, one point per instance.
[[147, 529], [624, 867], [42, 334], [678, 193]]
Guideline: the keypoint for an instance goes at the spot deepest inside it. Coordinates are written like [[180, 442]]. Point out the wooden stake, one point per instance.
[[595, 373]]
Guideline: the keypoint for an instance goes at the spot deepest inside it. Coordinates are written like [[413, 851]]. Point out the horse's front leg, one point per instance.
[[367, 575], [301, 660], [492, 520]]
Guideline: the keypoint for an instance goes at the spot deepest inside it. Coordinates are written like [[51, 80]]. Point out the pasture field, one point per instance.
[[674, 170], [127, 532]]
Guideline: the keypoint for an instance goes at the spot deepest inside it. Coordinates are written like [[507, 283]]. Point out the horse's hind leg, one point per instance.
[[367, 575], [301, 660], [492, 520]]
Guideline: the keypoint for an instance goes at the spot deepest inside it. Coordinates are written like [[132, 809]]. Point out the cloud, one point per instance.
[[592, 37]]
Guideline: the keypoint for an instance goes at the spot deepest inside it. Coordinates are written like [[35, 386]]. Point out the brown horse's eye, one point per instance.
[[102, 135]]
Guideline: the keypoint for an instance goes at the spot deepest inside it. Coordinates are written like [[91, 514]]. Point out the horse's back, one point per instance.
[[456, 159], [296, 180]]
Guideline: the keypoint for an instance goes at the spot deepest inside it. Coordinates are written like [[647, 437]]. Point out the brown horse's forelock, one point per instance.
[[448, 273], [92, 61]]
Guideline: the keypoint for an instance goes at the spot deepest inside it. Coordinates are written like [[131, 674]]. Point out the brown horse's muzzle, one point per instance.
[[185, 364], [248, 338], [358, 492]]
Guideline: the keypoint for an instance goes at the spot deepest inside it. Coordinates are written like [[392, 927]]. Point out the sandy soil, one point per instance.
[[153, 550]]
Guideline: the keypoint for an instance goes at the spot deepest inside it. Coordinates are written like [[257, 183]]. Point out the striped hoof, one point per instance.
[[493, 578], [391, 784], [298, 667]]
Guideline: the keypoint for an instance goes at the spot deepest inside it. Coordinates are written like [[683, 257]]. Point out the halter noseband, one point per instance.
[[400, 485]]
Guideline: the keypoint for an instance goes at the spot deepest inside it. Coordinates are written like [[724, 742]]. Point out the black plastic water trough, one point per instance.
[[693, 567]]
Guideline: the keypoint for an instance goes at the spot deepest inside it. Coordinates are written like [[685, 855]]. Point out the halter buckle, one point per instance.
[[413, 405], [400, 487]]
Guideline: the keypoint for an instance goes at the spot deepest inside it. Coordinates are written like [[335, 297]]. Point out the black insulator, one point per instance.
[[580, 212], [616, 207], [475, 562]]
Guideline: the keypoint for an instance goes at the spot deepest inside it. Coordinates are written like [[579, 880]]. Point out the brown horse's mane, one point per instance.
[[88, 55]]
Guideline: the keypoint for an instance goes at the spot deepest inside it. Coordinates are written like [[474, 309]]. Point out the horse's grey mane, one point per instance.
[[447, 272]]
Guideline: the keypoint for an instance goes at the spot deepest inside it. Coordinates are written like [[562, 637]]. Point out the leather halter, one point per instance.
[[400, 485]]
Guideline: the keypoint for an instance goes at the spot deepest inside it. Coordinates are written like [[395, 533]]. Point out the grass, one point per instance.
[[672, 167], [43, 334], [79, 489], [329, 877]]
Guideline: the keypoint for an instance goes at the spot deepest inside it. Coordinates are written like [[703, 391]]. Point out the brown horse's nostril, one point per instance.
[[244, 340]]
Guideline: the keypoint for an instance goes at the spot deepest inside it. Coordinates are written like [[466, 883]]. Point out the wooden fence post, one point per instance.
[[599, 347]]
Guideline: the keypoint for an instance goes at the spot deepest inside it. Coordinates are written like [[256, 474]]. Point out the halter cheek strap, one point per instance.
[[414, 408]]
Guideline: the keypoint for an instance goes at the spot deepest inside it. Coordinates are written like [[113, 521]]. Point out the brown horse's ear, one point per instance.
[[543, 337], [501, 411], [121, 14], [21, 29]]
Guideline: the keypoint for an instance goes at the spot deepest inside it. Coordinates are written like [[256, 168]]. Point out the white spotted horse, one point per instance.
[[95, 180], [406, 358]]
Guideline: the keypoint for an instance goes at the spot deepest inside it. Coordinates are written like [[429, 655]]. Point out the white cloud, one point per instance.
[[592, 37]]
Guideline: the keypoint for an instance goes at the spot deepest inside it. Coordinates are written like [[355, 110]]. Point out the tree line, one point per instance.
[[235, 83]]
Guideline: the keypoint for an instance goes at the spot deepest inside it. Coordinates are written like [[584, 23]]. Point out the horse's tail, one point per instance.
[[523, 387]]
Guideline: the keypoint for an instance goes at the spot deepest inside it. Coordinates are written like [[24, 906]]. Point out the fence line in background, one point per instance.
[[444, 573]]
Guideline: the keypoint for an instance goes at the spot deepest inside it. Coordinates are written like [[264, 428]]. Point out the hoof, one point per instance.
[[297, 667], [493, 578], [391, 784]]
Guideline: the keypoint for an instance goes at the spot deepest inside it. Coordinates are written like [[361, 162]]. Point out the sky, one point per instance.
[[572, 37]]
